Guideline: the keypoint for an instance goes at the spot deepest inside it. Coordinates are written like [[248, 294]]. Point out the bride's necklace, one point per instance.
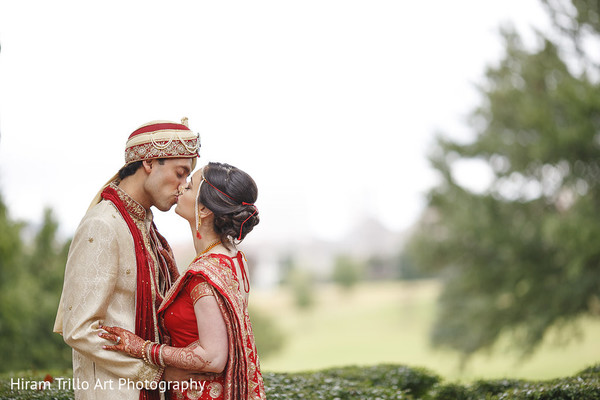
[[210, 247]]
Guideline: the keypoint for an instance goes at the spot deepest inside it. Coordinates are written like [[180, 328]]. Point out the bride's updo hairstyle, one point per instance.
[[230, 194]]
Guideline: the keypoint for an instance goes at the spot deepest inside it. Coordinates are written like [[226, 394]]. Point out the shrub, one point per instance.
[[583, 386], [483, 388], [563, 389], [450, 391], [379, 382], [16, 391]]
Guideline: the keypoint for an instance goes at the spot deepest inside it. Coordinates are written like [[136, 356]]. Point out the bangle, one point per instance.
[[148, 349], [144, 356], [151, 353], [161, 360], [154, 353]]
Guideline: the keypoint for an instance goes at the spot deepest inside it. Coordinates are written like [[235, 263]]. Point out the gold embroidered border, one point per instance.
[[135, 209], [201, 290], [147, 151]]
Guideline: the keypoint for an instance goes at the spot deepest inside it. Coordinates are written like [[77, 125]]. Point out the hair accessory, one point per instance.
[[251, 215], [218, 190], [243, 203]]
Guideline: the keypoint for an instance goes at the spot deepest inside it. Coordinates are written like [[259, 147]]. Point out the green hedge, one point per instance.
[[376, 382], [380, 382]]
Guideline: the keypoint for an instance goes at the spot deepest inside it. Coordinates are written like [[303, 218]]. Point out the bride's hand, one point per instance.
[[126, 342]]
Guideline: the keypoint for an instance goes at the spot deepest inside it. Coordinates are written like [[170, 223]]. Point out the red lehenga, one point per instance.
[[216, 274]]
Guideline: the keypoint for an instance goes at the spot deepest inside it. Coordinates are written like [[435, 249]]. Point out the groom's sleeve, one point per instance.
[[91, 288]]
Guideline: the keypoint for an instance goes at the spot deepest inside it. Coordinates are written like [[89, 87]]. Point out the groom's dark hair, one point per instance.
[[130, 169]]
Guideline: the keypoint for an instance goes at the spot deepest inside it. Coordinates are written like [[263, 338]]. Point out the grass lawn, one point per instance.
[[388, 322]]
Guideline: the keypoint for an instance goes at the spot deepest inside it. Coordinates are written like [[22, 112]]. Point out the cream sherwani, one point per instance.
[[100, 288]]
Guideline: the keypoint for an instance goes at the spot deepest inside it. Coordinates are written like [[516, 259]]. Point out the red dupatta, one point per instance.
[[243, 378], [144, 318]]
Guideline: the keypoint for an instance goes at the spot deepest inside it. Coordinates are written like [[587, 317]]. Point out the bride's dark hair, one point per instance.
[[230, 194]]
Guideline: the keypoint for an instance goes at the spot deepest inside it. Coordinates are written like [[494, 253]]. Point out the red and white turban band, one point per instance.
[[162, 139]]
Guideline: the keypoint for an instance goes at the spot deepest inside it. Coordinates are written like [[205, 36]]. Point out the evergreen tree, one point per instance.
[[11, 256], [524, 255], [30, 286], [43, 274]]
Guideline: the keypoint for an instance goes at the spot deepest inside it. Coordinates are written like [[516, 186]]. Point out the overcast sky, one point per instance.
[[330, 105]]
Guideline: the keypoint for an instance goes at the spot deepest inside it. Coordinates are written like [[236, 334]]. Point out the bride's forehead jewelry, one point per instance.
[[198, 220], [243, 203]]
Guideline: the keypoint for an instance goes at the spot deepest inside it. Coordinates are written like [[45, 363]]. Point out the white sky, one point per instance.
[[329, 105]]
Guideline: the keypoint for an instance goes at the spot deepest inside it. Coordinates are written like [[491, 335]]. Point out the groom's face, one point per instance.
[[165, 179]]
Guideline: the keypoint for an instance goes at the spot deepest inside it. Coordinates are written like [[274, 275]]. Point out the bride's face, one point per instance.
[[185, 204]]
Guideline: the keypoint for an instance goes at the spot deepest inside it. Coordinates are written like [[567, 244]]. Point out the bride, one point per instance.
[[204, 317]]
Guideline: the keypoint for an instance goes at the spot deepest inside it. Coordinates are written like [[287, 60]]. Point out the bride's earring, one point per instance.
[[199, 221]]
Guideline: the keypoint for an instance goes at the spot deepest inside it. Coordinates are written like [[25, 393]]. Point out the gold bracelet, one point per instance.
[[144, 356], [148, 353]]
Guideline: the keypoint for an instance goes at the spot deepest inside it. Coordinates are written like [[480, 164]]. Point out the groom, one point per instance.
[[119, 267]]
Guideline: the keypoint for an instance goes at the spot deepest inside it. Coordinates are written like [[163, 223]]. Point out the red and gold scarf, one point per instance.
[[145, 307], [243, 378]]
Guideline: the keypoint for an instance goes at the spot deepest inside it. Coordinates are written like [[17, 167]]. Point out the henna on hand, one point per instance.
[[188, 358], [130, 343]]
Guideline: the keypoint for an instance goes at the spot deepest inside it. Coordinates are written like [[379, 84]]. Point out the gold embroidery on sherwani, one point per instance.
[[148, 374], [135, 209], [143, 221], [97, 286], [153, 272]]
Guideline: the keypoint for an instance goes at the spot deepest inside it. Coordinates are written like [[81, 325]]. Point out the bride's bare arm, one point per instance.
[[208, 354]]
